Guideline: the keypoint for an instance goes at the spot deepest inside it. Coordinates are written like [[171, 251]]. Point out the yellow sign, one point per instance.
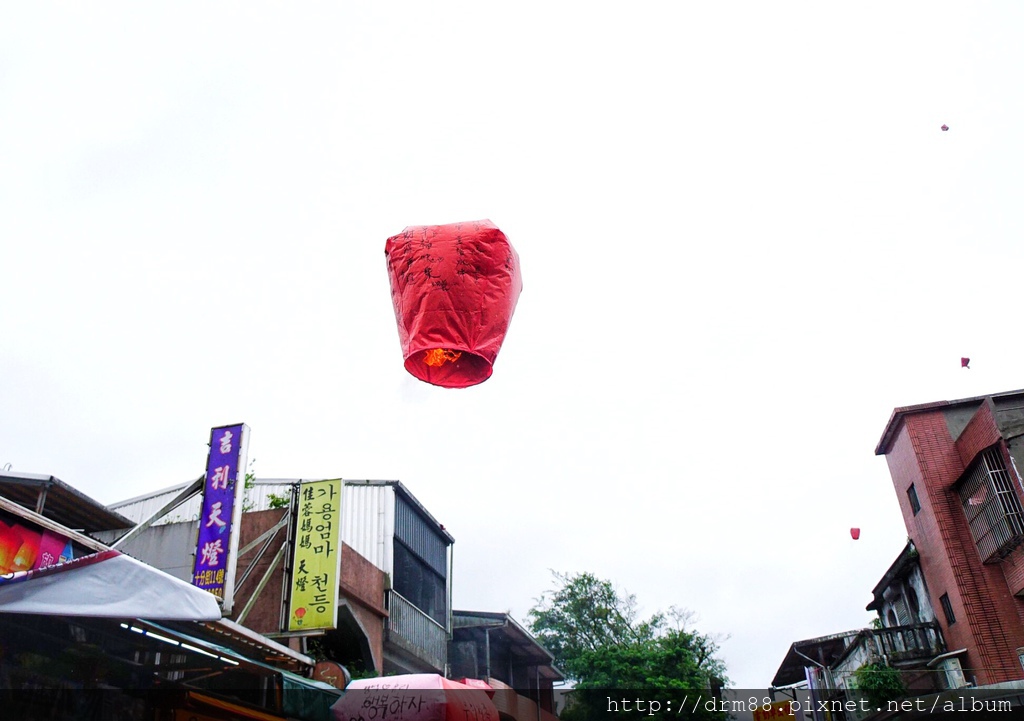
[[316, 561], [776, 711]]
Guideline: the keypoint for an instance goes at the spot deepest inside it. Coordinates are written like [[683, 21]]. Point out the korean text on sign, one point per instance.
[[317, 556]]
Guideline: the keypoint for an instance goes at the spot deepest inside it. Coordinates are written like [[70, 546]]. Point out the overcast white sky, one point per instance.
[[743, 237]]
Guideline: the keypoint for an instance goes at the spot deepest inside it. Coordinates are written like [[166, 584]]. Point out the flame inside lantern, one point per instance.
[[437, 357]]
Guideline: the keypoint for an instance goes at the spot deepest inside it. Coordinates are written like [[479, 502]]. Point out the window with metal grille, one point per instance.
[[992, 507], [419, 584]]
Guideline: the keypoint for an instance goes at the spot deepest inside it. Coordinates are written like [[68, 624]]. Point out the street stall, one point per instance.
[[98, 668], [87, 632]]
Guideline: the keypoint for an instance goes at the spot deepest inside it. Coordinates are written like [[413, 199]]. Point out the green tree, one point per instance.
[[879, 683], [602, 644]]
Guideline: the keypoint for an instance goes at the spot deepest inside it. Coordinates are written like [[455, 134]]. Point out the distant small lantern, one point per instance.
[[965, 363], [454, 288], [945, 127], [855, 533]]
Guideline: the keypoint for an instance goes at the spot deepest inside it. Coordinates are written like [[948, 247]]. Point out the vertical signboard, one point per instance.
[[220, 520], [316, 558]]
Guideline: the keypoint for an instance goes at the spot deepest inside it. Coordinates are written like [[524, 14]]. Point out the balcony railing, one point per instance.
[[415, 632], [901, 643], [895, 645]]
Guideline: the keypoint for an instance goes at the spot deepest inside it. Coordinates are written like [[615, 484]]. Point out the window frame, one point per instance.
[[991, 506], [915, 502], [947, 609], [418, 583]]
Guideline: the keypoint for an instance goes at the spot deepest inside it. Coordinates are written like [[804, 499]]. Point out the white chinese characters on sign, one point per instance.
[[217, 541], [211, 552], [220, 477], [215, 516]]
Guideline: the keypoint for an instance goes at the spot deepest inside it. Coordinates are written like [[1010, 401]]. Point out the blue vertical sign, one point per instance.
[[217, 547]]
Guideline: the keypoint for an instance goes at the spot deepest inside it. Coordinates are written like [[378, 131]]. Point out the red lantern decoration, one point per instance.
[[454, 288], [855, 533]]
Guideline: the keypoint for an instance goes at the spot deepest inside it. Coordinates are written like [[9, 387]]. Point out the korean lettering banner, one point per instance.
[[219, 522], [316, 561]]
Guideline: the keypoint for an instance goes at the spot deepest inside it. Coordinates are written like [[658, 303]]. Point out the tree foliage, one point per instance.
[[880, 683], [599, 641]]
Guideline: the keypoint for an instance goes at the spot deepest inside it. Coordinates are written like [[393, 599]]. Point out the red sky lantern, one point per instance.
[[965, 363], [945, 127], [454, 288], [855, 533]]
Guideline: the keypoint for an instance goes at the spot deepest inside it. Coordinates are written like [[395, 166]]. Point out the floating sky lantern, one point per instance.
[[965, 363], [945, 127], [454, 289], [855, 533]]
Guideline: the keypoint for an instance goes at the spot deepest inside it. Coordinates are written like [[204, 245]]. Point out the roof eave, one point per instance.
[[892, 427]]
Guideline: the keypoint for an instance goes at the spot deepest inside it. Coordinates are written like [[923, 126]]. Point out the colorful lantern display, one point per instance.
[[454, 288]]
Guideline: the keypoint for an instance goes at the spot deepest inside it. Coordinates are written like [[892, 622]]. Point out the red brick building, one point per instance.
[[954, 465]]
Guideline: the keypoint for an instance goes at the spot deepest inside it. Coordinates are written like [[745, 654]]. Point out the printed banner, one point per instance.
[[26, 547], [316, 561], [222, 506]]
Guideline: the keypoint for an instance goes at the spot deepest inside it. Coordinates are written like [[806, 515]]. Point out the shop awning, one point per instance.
[[301, 697], [107, 584], [51, 498]]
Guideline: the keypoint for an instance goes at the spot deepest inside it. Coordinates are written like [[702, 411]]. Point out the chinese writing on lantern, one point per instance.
[[221, 495], [317, 556]]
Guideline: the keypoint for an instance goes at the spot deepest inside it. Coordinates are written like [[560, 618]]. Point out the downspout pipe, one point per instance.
[[487, 651], [537, 683], [487, 644]]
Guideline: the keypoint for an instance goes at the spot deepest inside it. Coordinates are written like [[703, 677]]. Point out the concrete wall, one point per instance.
[[171, 548]]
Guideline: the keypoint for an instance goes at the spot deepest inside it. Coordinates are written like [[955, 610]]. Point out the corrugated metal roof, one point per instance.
[[142, 507], [368, 512], [823, 651], [368, 522], [523, 643], [56, 500]]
